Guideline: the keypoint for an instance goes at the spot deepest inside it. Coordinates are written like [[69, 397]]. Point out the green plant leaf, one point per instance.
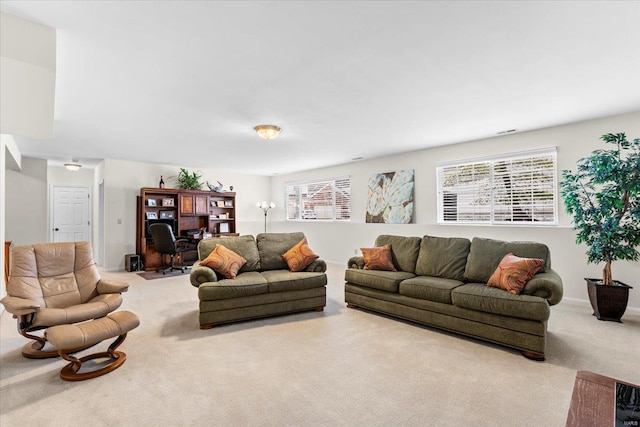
[[603, 197]]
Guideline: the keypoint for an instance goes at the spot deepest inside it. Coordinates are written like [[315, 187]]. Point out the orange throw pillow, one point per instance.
[[378, 258], [300, 256], [514, 272], [224, 261]]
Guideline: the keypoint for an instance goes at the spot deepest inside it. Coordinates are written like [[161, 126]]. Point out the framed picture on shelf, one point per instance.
[[167, 215], [222, 216], [151, 202], [220, 203], [228, 203], [151, 215], [224, 227], [167, 202]]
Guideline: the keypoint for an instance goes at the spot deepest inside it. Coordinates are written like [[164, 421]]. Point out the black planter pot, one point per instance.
[[609, 302]]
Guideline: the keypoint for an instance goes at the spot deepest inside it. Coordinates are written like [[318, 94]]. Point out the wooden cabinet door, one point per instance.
[[202, 205], [187, 207]]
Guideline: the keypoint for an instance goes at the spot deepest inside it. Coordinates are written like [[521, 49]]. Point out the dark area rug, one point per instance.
[[151, 275]]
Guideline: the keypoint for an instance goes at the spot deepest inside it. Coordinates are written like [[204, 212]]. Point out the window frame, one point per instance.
[[299, 216], [493, 203]]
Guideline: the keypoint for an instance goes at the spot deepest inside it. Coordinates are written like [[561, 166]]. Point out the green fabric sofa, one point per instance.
[[441, 282], [263, 287]]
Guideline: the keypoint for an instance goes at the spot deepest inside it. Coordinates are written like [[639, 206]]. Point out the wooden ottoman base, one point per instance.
[[68, 338]]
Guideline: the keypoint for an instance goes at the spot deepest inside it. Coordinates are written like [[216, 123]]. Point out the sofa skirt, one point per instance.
[[522, 334], [215, 312]]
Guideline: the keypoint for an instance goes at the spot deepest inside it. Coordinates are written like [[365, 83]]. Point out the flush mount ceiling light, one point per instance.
[[267, 131], [73, 166]]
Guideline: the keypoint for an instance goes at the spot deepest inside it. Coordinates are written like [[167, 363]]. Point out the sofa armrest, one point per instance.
[[201, 274], [547, 285], [318, 266], [19, 306], [107, 287], [356, 262]]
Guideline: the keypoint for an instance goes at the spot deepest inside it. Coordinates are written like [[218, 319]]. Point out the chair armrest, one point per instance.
[[356, 262], [317, 266], [201, 274], [547, 285], [107, 287], [185, 244], [19, 306]]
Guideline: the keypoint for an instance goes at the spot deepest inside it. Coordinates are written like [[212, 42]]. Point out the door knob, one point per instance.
[[56, 229]]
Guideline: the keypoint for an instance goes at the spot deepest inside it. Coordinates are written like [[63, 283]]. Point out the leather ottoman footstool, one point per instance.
[[66, 338]]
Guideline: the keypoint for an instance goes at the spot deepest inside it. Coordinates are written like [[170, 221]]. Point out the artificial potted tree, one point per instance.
[[603, 196], [189, 180]]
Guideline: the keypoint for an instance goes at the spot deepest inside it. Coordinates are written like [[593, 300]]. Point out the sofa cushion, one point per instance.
[[436, 289], [378, 258], [271, 247], [514, 272], [404, 250], [443, 257], [300, 256], [245, 246], [285, 280], [224, 261], [486, 254], [245, 284], [376, 279], [478, 296]]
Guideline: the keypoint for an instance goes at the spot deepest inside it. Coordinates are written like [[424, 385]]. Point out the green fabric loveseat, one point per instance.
[[264, 285], [441, 282]]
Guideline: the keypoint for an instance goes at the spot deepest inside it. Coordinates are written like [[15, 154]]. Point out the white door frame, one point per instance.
[[100, 243], [52, 203]]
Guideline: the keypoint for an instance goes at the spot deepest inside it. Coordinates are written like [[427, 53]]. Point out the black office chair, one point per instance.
[[166, 244]]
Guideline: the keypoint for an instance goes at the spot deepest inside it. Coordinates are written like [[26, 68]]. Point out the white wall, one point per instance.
[[28, 218], [26, 206], [10, 158], [123, 180], [27, 77], [98, 243], [28, 197], [61, 176], [338, 241]]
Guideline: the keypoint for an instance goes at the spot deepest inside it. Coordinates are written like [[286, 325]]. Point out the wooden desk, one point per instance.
[[593, 401]]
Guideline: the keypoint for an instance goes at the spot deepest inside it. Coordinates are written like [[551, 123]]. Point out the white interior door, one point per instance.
[[71, 210]]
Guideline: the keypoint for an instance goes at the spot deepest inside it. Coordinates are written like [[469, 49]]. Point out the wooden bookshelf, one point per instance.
[[185, 211]]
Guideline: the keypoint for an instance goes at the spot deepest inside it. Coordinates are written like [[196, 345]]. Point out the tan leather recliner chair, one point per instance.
[[56, 284]]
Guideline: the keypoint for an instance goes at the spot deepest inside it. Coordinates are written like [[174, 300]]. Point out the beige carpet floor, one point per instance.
[[342, 367]]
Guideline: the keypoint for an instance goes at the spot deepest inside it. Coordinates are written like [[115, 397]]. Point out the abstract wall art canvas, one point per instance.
[[390, 198]]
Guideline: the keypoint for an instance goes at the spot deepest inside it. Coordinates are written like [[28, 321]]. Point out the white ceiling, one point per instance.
[[185, 82]]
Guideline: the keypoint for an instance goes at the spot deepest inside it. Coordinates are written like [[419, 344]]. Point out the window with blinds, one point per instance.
[[502, 190], [327, 200]]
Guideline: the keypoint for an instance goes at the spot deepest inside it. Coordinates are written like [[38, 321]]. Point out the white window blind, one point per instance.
[[326, 200], [503, 190]]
